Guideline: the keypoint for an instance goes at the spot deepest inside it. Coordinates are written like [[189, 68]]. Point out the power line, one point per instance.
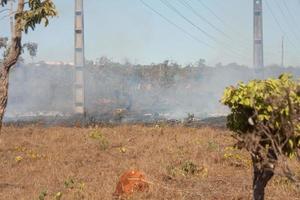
[[219, 18], [277, 22], [290, 13], [175, 25], [212, 12], [179, 27], [171, 7], [226, 24], [188, 6], [288, 9], [279, 25], [287, 21]]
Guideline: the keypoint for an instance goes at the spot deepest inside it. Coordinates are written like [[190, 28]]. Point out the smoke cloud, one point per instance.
[[127, 92]]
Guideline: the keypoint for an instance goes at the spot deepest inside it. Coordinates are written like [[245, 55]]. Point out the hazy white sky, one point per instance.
[[122, 29]]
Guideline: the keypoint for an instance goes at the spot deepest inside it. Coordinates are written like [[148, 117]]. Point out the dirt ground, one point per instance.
[[85, 163]]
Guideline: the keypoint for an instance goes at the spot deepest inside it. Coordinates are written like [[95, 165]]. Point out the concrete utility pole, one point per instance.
[[258, 54], [79, 60], [11, 17], [282, 52]]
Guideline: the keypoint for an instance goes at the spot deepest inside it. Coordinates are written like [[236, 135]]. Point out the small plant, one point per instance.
[[58, 196], [69, 183], [34, 155], [18, 158], [95, 134], [43, 195], [119, 114], [283, 182], [78, 195], [123, 149], [103, 142], [171, 170], [190, 118], [213, 146], [28, 153], [81, 186], [232, 155], [20, 149], [189, 168]]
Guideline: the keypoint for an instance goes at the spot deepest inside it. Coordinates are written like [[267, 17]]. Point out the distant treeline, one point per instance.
[[166, 88]]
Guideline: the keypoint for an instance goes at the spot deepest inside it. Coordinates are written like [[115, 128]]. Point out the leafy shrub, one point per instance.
[[43, 195], [103, 142], [271, 104], [189, 168], [69, 183], [264, 119]]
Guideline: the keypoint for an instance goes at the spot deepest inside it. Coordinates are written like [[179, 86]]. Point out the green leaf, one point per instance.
[[272, 104]]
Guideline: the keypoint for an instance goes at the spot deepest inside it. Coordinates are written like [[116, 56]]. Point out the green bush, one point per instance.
[[103, 141], [265, 119], [271, 105]]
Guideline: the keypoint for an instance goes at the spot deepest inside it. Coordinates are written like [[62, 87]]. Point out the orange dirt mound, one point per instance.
[[130, 182]]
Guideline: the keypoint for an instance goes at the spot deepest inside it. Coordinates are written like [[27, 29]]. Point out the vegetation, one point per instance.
[[176, 159], [31, 47], [99, 137], [136, 88], [265, 120], [26, 17]]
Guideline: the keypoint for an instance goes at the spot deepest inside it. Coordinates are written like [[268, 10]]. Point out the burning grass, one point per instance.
[[82, 163]]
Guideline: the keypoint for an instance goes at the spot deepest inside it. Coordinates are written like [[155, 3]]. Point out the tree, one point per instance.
[[31, 47], [103, 61], [201, 62], [264, 119], [26, 17], [4, 45]]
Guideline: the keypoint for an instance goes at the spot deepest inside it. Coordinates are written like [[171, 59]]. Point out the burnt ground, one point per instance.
[[181, 162], [110, 119]]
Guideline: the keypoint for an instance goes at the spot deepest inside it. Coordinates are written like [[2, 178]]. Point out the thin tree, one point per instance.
[[265, 119], [26, 17]]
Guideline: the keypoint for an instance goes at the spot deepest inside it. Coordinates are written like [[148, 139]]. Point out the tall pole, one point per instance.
[[258, 55], [282, 52], [11, 14], [79, 60]]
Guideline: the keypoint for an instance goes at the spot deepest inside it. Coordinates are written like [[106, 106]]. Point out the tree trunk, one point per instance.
[[261, 177], [10, 60], [3, 93]]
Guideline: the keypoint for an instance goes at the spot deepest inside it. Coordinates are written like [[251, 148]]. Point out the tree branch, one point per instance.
[[16, 46]]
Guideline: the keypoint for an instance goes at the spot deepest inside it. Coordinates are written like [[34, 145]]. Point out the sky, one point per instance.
[[129, 30]]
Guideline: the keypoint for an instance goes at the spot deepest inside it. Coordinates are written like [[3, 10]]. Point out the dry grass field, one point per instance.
[[81, 163]]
